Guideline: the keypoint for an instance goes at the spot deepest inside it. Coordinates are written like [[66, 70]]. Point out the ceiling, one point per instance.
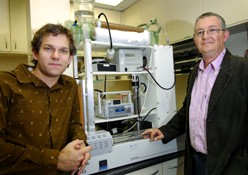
[[121, 7]]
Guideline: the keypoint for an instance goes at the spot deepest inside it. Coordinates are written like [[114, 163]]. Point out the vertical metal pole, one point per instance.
[[81, 84], [75, 66], [89, 86]]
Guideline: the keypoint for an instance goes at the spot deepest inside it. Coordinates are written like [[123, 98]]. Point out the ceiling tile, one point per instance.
[[121, 7]]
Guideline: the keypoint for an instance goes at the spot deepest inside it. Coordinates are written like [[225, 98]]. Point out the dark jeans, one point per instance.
[[199, 164]]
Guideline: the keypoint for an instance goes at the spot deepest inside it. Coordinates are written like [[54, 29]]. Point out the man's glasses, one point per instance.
[[211, 31]]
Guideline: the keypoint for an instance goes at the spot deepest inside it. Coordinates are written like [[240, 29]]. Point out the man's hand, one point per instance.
[[87, 157], [73, 156], [153, 133]]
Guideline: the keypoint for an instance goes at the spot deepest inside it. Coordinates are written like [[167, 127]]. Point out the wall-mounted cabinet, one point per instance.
[[19, 20], [180, 18], [181, 15], [18, 25], [13, 32], [5, 27], [233, 12]]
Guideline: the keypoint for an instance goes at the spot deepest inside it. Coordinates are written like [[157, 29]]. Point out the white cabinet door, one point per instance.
[[174, 166], [152, 170], [5, 26], [171, 167], [18, 25], [233, 12], [180, 18]]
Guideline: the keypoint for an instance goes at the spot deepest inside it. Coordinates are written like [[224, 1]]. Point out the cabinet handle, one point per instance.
[[6, 43], [156, 172], [176, 166], [15, 45]]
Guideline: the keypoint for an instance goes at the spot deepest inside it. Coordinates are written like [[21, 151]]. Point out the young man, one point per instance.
[[40, 129], [215, 111]]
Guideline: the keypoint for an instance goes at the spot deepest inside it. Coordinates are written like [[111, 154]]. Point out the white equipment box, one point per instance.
[[101, 142], [128, 60], [111, 108], [128, 153]]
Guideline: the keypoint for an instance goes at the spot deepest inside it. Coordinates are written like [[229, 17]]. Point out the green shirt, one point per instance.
[[36, 121]]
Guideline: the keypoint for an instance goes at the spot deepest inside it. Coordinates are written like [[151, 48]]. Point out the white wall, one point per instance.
[[48, 11], [113, 16], [144, 10]]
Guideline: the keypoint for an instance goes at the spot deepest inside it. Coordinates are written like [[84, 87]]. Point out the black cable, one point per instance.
[[97, 90], [138, 104], [135, 84], [158, 83], [110, 38], [147, 114], [100, 91], [105, 86], [144, 86], [139, 120]]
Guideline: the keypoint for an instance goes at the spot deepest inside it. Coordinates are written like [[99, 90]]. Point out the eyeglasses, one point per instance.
[[211, 31]]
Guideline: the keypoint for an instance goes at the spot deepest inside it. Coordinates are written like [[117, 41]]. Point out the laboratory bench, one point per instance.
[[141, 165]]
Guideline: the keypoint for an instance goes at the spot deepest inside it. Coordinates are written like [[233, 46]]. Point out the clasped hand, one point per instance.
[[74, 157]]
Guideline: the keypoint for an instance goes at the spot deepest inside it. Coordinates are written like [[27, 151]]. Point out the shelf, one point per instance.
[[103, 120], [116, 73], [103, 46], [112, 80], [13, 54]]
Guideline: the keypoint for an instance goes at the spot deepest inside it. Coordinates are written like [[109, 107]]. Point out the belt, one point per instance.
[[201, 155], [199, 163]]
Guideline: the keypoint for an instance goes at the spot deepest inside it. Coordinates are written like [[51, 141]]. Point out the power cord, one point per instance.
[[111, 51], [158, 83], [138, 120]]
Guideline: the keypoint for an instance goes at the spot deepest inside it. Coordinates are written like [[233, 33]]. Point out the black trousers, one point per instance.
[[199, 163]]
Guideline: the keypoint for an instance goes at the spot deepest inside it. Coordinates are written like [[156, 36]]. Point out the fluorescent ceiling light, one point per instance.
[[109, 2]]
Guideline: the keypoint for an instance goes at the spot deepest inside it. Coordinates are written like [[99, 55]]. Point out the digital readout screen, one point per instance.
[[119, 109], [129, 55]]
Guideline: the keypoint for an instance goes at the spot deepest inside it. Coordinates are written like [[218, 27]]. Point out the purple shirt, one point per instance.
[[199, 102]]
